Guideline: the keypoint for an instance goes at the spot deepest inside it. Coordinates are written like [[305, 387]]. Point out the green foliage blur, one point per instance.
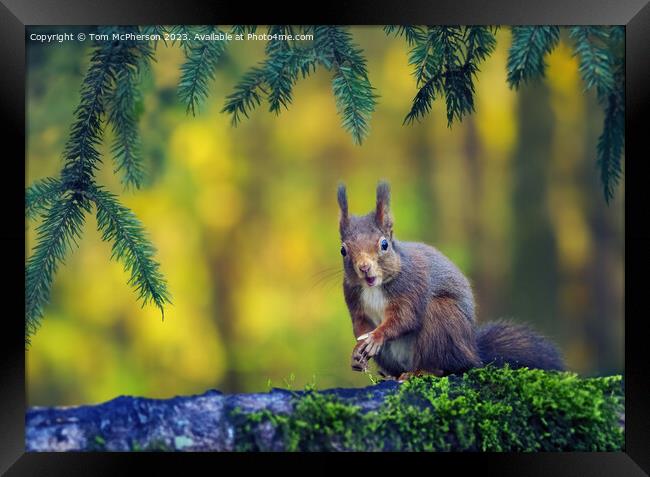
[[246, 223]]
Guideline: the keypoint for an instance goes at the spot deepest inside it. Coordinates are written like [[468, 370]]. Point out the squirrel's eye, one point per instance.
[[343, 251], [384, 244]]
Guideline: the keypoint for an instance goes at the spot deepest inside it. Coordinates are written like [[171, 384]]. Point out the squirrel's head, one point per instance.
[[369, 258]]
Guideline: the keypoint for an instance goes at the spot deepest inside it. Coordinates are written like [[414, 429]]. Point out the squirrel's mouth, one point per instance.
[[371, 281]]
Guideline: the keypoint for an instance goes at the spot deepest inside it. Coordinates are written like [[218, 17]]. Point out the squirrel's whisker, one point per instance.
[[325, 271], [327, 279], [324, 276]]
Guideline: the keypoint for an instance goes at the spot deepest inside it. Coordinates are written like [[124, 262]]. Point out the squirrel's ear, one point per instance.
[[382, 212], [343, 205]]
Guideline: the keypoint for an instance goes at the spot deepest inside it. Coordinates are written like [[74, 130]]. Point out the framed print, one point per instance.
[[365, 231]]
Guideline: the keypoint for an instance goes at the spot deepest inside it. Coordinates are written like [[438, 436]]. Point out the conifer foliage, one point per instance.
[[131, 246], [355, 97], [529, 46], [123, 106], [602, 65], [108, 94], [287, 61], [199, 68], [445, 62]]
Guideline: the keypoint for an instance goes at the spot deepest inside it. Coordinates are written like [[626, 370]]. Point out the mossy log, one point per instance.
[[486, 409]]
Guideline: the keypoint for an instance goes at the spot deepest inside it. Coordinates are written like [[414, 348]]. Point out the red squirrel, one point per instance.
[[413, 310]]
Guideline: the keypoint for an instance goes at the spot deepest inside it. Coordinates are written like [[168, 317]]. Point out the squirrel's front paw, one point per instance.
[[371, 344], [359, 361], [359, 365]]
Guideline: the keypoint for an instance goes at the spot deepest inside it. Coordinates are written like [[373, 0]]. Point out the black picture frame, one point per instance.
[[15, 15]]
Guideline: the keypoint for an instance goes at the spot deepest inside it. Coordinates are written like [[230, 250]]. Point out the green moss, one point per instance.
[[487, 409]]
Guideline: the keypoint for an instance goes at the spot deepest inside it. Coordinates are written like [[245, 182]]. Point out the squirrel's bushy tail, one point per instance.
[[502, 342]]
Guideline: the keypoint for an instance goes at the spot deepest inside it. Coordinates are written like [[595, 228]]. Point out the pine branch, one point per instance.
[[423, 100], [247, 95], [126, 147], [354, 100], [596, 60], [41, 195], [198, 70], [120, 226], [109, 88], [602, 66], [122, 114], [459, 93], [616, 33], [282, 70], [279, 45], [243, 29], [411, 33], [612, 140], [480, 42], [274, 77], [526, 56], [280, 77], [445, 62], [355, 97], [425, 58], [160, 30], [458, 85], [181, 34], [286, 63], [81, 157], [61, 227], [155, 30]]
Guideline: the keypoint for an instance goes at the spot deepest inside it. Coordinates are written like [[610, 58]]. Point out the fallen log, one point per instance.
[[487, 409]]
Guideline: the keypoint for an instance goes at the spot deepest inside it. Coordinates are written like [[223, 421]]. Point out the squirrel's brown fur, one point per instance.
[[412, 309]]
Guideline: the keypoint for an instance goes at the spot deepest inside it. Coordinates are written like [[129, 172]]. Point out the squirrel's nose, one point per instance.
[[364, 267]]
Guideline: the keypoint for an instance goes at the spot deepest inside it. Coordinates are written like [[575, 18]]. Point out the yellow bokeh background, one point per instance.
[[245, 223]]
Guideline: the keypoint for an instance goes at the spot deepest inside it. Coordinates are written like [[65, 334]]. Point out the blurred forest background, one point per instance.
[[245, 221]]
